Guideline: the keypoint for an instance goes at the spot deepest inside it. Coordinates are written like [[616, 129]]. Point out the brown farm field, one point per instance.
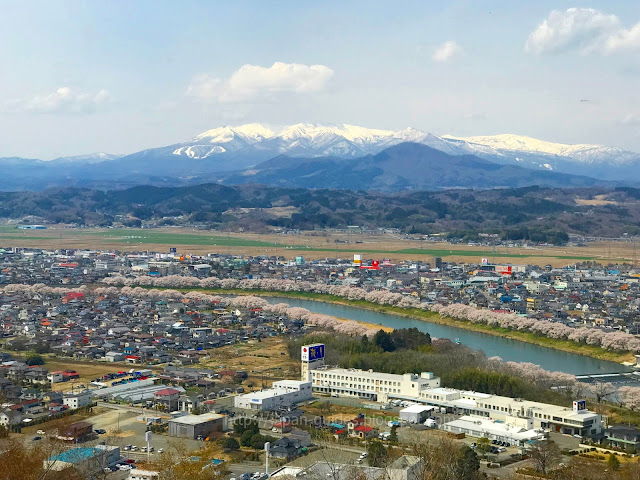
[[312, 245], [266, 361]]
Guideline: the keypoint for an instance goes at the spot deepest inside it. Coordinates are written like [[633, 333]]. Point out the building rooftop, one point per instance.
[[196, 419], [77, 455]]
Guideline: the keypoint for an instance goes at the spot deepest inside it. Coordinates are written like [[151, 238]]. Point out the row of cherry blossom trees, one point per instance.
[[347, 327], [627, 396], [609, 340]]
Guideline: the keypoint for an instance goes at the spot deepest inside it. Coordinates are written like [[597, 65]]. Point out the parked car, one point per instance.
[[40, 432]]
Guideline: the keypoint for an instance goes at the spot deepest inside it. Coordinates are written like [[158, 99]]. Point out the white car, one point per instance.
[[41, 432]]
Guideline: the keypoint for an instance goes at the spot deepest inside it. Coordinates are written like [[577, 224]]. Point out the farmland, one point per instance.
[[312, 245]]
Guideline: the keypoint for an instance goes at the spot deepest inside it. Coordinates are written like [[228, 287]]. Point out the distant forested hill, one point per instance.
[[538, 214]]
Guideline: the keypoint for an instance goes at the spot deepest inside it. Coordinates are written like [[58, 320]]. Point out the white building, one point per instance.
[[493, 430], [415, 413], [529, 415], [77, 400], [55, 377], [284, 393], [425, 389], [351, 382], [370, 385]]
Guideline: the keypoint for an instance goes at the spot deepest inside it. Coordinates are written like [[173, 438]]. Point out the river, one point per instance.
[[507, 349]]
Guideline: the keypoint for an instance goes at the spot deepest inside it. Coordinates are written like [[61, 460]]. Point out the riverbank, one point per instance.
[[418, 314]]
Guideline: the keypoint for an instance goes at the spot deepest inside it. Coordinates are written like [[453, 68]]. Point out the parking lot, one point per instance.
[[124, 428]]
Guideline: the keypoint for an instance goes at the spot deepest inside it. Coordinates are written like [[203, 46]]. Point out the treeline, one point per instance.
[[531, 213], [532, 234]]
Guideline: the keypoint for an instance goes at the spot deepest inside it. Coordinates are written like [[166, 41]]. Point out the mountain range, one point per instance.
[[337, 156]]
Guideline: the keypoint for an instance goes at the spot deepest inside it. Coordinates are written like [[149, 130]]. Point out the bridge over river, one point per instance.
[[614, 377]]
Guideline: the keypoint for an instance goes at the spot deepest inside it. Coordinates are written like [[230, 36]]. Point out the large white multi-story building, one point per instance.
[[365, 384], [370, 385], [425, 389]]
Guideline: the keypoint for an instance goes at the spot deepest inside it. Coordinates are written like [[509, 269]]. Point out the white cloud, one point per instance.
[[446, 51], [63, 100], [631, 119], [585, 30], [252, 81]]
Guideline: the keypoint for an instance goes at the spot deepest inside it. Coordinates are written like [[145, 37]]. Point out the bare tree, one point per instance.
[[545, 455], [602, 391]]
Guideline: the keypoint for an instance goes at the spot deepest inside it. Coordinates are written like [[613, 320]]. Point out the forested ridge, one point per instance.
[[529, 213]]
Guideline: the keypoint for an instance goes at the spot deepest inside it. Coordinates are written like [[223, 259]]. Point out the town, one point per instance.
[[113, 372]]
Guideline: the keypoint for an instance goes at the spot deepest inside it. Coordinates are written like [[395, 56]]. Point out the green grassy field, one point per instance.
[[165, 238], [148, 238]]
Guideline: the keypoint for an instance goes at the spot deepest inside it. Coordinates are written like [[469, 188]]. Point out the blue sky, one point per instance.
[[121, 76]]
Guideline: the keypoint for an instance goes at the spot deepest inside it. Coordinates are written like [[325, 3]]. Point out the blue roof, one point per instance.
[[76, 455]]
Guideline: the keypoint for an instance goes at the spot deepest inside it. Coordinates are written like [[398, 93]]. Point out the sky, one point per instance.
[[122, 76]]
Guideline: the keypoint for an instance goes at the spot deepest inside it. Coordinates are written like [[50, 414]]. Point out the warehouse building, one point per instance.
[[415, 413], [194, 426], [282, 394]]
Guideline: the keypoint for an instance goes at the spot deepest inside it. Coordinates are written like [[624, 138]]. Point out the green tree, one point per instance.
[[384, 341], [613, 462], [245, 439], [484, 445], [393, 437], [258, 441], [468, 464], [377, 454], [230, 444], [241, 425], [35, 359]]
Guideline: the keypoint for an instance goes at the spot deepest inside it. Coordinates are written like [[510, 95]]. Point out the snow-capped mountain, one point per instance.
[[517, 143], [599, 161], [237, 148], [255, 142], [233, 148]]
